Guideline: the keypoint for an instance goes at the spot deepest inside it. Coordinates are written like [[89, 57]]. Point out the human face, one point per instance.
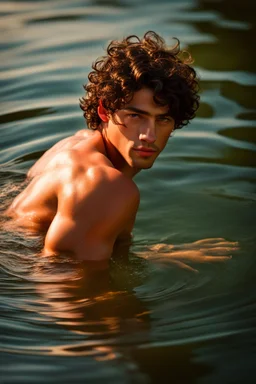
[[140, 130]]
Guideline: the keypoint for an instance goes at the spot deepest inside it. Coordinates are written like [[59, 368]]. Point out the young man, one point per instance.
[[81, 190]]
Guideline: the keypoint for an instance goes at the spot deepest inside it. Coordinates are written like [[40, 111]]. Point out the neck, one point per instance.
[[114, 156]]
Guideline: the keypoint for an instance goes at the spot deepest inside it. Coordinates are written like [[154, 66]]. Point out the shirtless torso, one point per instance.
[[81, 191], [67, 197]]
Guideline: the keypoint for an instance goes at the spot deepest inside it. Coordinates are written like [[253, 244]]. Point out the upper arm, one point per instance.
[[89, 224]]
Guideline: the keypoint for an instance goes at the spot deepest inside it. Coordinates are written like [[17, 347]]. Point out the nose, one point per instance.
[[148, 134]]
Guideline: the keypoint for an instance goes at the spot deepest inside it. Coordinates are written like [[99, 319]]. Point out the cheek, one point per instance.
[[116, 132], [164, 135], [127, 133]]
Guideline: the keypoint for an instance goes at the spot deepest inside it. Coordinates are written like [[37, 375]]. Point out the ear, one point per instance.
[[102, 112]]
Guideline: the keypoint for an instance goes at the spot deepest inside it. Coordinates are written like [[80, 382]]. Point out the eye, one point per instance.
[[133, 115], [165, 119]]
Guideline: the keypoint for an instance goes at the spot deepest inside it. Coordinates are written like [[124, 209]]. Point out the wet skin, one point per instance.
[[81, 190]]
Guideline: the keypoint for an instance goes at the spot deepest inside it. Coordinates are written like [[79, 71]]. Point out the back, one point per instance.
[[83, 201], [36, 205]]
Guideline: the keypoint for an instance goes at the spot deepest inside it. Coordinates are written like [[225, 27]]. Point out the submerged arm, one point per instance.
[[201, 251]]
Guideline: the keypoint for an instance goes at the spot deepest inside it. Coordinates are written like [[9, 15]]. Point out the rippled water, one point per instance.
[[147, 319]]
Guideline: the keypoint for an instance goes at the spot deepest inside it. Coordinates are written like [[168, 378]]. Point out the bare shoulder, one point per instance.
[[116, 186], [61, 150], [101, 184], [96, 207]]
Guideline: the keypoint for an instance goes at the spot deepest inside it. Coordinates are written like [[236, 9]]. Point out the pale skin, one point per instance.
[[82, 191]]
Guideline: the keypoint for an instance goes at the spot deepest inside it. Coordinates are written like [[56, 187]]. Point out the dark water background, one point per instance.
[[146, 320]]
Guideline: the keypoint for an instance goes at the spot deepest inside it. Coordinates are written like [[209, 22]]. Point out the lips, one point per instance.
[[144, 151]]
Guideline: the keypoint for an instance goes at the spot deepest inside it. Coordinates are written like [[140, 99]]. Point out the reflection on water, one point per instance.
[[146, 319]]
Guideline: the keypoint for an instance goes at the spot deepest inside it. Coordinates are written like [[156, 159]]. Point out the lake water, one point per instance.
[[147, 319]]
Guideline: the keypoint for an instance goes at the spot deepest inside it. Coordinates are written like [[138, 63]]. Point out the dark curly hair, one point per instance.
[[134, 63]]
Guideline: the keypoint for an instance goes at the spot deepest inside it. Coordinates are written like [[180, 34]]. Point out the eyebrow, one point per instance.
[[137, 110]]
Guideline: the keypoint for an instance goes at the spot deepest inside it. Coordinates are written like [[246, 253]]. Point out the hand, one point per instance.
[[201, 251]]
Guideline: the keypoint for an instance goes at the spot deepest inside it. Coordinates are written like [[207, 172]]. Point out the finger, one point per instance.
[[203, 259], [219, 250], [194, 256], [184, 255], [214, 245], [225, 244], [205, 243], [179, 264], [210, 240]]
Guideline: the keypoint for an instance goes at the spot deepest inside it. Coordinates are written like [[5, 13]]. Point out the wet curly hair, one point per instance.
[[134, 63]]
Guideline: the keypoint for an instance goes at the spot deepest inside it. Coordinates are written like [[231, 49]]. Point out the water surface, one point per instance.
[[147, 319]]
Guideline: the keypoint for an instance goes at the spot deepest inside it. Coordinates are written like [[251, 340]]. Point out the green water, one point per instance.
[[146, 319]]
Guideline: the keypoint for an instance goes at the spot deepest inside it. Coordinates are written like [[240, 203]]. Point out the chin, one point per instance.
[[148, 166], [143, 164]]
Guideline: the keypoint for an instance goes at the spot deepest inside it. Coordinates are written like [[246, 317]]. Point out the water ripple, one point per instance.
[[150, 314]]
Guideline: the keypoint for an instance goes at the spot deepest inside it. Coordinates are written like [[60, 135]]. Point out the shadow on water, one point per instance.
[[25, 114], [231, 51], [56, 19], [142, 320], [242, 134], [176, 363], [112, 3], [230, 156], [232, 48]]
